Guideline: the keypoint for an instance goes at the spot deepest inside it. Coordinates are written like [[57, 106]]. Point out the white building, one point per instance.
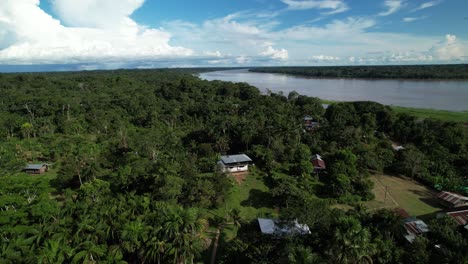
[[234, 163]]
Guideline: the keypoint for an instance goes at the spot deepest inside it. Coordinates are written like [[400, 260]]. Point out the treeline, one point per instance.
[[455, 71], [134, 155]]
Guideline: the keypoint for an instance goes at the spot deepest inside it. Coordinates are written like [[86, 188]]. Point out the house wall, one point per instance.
[[236, 168]]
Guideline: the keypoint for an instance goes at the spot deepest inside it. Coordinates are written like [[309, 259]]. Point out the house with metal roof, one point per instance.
[[451, 200], [282, 228], [36, 168], [459, 214], [310, 123], [414, 227], [234, 163]]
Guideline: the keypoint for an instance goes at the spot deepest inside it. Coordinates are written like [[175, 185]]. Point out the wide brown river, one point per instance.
[[435, 94]]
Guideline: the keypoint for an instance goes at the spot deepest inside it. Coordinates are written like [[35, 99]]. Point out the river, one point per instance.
[[435, 94]]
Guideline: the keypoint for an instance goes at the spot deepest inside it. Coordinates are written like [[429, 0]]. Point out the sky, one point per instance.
[[109, 34]]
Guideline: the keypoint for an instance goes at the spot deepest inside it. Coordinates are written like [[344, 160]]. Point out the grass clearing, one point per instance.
[[250, 196], [415, 198], [443, 115]]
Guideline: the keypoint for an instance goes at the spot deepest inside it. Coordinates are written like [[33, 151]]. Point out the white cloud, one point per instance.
[[412, 19], [324, 58], [335, 6], [212, 53], [243, 60], [428, 5], [96, 31], [392, 7], [28, 35], [450, 49], [281, 54]]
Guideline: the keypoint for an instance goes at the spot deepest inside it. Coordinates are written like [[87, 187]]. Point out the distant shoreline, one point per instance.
[[451, 72], [365, 78]]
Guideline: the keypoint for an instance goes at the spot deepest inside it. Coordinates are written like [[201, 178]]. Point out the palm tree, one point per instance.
[[89, 253], [54, 251], [135, 236], [231, 218], [351, 242], [303, 255], [184, 230], [156, 248]]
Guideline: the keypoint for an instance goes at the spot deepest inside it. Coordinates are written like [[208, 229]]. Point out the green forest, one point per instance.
[[132, 179], [451, 71]]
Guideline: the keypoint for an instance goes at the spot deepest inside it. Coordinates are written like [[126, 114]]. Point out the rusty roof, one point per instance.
[[452, 198], [460, 216]]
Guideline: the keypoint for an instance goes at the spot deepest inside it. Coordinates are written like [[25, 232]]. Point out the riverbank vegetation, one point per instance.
[[133, 179], [423, 72], [424, 113]]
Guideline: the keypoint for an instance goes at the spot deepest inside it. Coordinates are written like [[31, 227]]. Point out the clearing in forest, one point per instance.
[[392, 192]]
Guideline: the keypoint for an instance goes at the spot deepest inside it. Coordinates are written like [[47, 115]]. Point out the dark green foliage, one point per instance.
[[382, 72], [133, 177]]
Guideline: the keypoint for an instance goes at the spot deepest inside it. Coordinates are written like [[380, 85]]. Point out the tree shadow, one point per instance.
[[258, 199]]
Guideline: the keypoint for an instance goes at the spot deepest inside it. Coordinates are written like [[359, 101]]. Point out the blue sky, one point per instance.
[[105, 34]]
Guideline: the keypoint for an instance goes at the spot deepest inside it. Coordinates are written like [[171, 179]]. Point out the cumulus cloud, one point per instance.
[[335, 6], [450, 49], [392, 7], [428, 5], [94, 30], [280, 54]]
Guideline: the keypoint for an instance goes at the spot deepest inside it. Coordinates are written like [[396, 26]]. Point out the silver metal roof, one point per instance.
[[34, 166], [276, 227], [267, 226], [232, 159]]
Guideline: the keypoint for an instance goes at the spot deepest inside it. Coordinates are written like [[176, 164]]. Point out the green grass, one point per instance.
[[434, 114], [251, 197], [405, 193], [443, 115], [247, 197]]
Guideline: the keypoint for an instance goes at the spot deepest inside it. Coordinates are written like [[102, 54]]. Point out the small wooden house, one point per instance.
[[310, 124], [36, 168], [234, 163], [318, 162]]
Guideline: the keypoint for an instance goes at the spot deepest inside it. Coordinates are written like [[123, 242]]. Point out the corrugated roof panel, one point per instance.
[[34, 166], [232, 159]]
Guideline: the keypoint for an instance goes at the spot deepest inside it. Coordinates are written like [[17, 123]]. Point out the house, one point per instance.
[[310, 123], [282, 228], [459, 214], [234, 163], [397, 148], [414, 227], [318, 162], [36, 168], [452, 200]]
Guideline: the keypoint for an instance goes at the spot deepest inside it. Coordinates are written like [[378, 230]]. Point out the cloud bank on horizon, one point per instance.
[[105, 34]]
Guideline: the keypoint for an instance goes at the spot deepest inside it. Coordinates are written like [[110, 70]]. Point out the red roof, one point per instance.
[[416, 227], [460, 216], [318, 163]]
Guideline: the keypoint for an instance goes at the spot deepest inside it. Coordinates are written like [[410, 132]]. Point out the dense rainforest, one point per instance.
[[452, 71], [132, 180]]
